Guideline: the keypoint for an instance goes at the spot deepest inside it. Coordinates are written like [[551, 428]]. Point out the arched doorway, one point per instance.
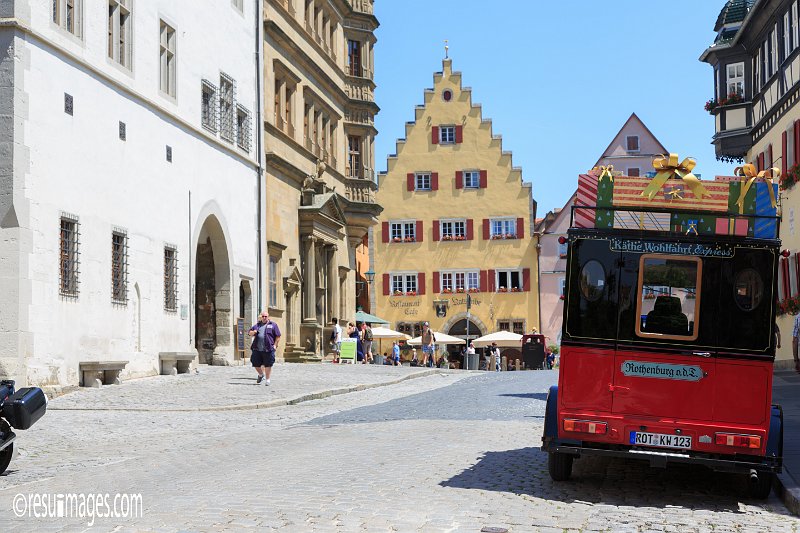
[[213, 320], [459, 329]]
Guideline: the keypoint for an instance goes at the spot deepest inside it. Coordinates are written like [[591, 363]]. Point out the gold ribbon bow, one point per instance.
[[605, 171], [667, 167], [748, 171]]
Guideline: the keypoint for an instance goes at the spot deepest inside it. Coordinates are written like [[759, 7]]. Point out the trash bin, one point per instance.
[[472, 361], [377, 359]]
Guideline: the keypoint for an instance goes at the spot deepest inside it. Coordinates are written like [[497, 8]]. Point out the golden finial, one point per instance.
[[446, 48]]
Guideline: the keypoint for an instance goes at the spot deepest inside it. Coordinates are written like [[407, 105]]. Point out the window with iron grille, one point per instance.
[[167, 59], [518, 327], [243, 128], [69, 257], [209, 106], [170, 278], [120, 32], [227, 120], [68, 14], [68, 106], [119, 267]]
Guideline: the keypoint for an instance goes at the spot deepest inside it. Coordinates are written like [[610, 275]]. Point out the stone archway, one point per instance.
[[213, 302]]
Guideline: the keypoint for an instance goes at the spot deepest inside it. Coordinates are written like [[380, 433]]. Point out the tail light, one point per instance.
[[741, 441], [585, 426]]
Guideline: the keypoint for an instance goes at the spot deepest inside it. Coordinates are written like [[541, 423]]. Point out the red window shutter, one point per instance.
[[490, 280], [526, 279], [435, 135], [418, 236], [436, 230], [434, 181], [459, 179], [484, 180], [386, 285], [420, 283], [436, 289], [520, 228], [485, 229], [470, 231], [484, 287], [385, 232], [410, 181], [785, 154], [785, 276], [796, 141], [769, 157], [761, 161], [459, 134]]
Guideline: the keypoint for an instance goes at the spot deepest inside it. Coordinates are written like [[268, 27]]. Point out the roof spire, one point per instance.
[[446, 49]]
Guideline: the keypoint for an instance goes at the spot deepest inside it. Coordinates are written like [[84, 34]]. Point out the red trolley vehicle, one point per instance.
[[668, 344]]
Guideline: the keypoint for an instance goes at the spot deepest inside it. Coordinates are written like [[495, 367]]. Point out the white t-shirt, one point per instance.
[[338, 329]]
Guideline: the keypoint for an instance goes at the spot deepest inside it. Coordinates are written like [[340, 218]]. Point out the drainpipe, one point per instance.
[[259, 152]]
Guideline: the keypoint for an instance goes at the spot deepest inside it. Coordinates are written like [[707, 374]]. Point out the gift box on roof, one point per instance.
[[765, 228], [674, 194], [593, 193]]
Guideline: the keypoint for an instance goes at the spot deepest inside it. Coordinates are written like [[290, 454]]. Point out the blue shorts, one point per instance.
[[427, 349], [259, 358]]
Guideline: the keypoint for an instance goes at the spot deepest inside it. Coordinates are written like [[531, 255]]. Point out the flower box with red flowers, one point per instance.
[[791, 177], [502, 289], [460, 238], [460, 290], [398, 293], [732, 98], [411, 293], [474, 290], [397, 239], [447, 238], [516, 289], [409, 239], [447, 291]]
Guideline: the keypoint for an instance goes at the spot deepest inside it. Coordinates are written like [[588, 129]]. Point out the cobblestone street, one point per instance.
[[449, 451]]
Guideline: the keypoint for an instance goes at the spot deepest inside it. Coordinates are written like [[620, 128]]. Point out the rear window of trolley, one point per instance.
[[668, 298]]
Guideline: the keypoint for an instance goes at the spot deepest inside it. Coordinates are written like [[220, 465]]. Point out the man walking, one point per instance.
[[336, 339], [265, 341], [396, 353], [427, 345]]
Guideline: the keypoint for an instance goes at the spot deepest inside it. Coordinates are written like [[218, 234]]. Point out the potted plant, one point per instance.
[[502, 289], [411, 293], [460, 290], [397, 239], [791, 177], [398, 293]]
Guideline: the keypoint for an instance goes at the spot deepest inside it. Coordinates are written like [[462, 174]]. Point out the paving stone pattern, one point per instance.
[[447, 452]]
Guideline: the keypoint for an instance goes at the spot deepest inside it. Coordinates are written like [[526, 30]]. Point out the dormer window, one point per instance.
[[632, 143]]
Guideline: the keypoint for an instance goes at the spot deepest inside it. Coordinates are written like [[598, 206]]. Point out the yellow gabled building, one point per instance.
[[457, 221]]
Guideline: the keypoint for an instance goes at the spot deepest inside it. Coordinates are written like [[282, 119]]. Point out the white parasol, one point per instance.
[[505, 339]]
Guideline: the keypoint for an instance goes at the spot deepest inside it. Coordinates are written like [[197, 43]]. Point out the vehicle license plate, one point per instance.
[[660, 440]]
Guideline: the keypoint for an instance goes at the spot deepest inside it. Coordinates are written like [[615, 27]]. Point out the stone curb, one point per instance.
[[265, 405], [789, 491]]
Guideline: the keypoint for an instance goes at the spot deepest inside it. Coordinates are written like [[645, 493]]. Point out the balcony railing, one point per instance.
[[360, 191], [362, 6], [733, 130], [360, 173], [359, 89]]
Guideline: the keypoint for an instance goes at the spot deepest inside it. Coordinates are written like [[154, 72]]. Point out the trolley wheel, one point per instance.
[[760, 489], [559, 465], [5, 457]]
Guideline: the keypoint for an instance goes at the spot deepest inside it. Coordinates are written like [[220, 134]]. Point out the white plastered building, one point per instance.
[[129, 183]]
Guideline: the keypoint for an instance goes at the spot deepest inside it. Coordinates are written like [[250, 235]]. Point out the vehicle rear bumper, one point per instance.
[[660, 458]]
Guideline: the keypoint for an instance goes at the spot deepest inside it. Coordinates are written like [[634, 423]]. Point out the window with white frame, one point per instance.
[[735, 79], [209, 106], [503, 228], [472, 179], [774, 49], [422, 181], [795, 36], [447, 134], [403, 231], [120, 25], [787, 35], [68, 15], [227, 88], [167, 62], [562, 249], [459, 281], [756, 73], [404, 283], [508, 280], [632, 143], [453, 230]]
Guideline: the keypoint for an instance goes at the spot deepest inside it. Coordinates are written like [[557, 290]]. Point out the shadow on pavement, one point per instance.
[[607, 481], [528, 396]]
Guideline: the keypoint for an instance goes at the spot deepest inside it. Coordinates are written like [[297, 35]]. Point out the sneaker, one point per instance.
[[260, 379], [267, 383]]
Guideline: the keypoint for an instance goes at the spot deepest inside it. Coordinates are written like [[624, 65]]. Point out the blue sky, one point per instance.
[[557, 78]]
